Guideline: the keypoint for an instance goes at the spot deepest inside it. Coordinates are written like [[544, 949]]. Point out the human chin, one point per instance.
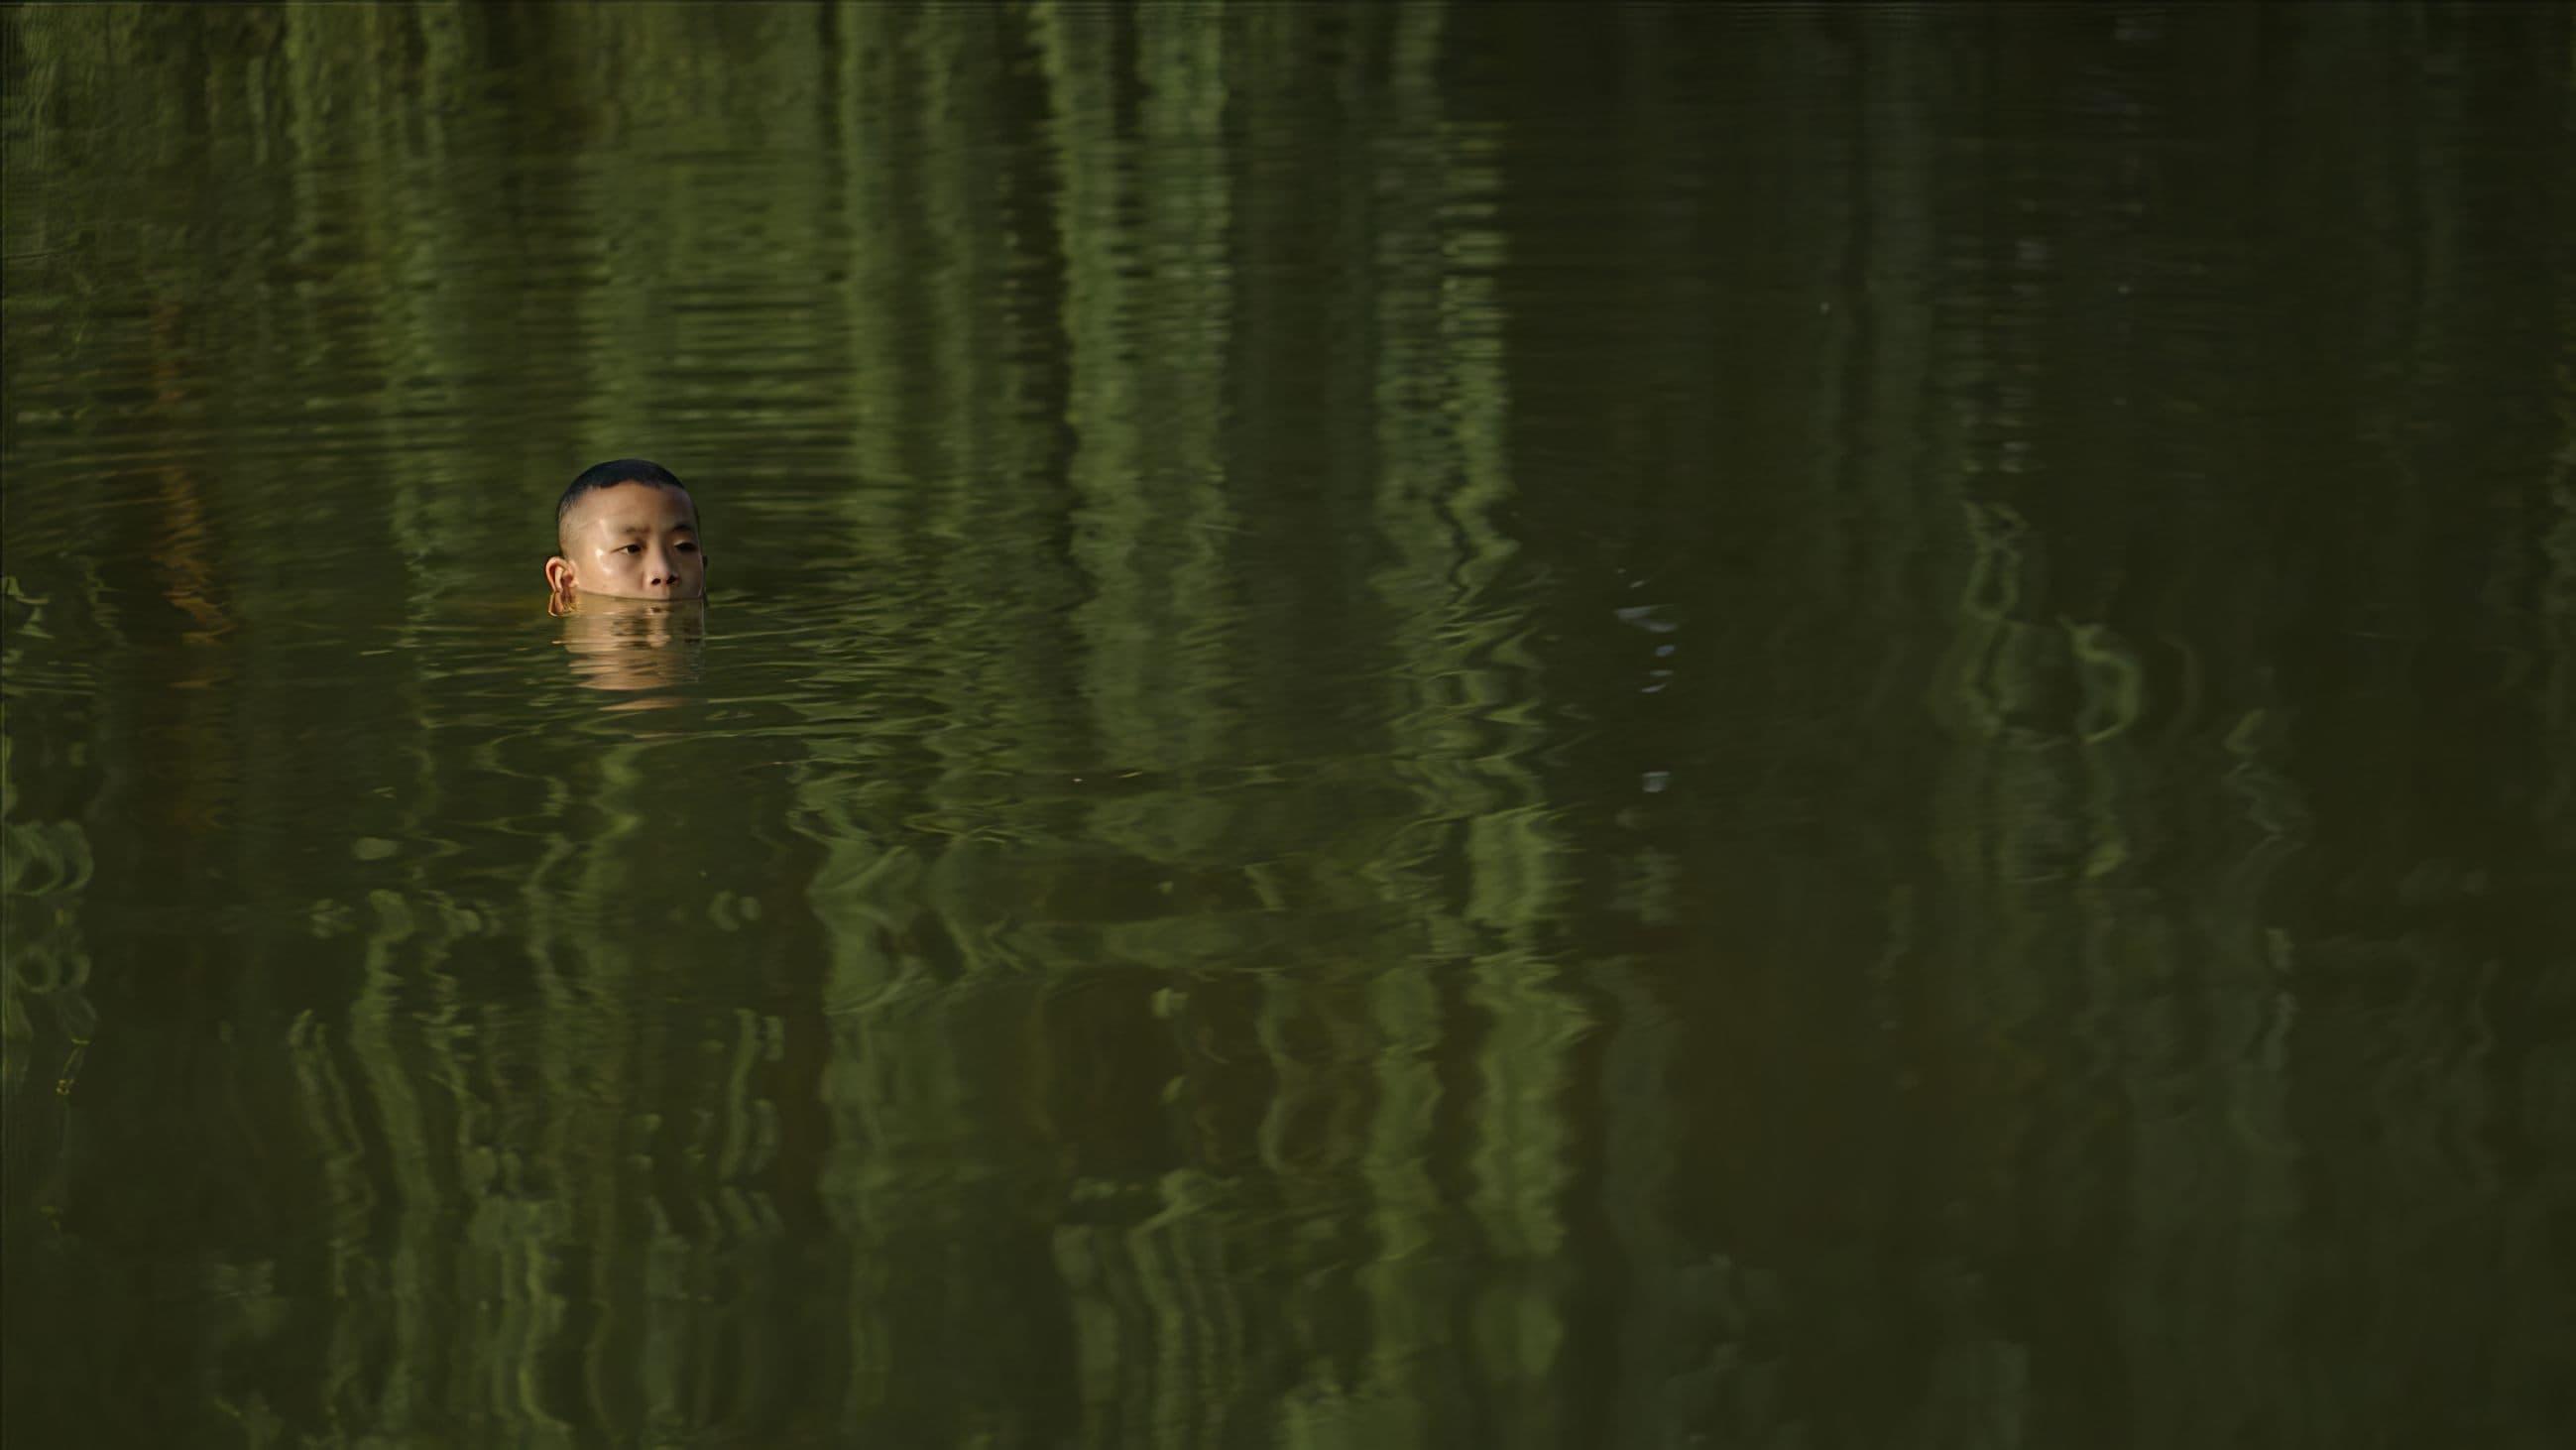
[[597, 602], [628, 591]]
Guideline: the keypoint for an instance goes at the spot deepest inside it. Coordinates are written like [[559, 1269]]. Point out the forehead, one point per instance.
[[627, 505]]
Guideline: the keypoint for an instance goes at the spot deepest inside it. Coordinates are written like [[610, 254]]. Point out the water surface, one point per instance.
[[1421, 725]]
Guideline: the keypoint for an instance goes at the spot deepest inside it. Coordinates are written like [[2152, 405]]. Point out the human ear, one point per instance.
[[559, 577]]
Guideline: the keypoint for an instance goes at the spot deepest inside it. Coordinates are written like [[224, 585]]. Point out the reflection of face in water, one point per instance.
[[632, 645]]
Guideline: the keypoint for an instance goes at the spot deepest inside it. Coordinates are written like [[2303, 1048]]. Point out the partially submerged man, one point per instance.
[[625, 530]]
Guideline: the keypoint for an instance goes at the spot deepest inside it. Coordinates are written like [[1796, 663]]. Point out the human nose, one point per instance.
[[658, 571]]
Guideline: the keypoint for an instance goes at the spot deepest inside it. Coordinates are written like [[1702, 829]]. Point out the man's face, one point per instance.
[[630, 541]]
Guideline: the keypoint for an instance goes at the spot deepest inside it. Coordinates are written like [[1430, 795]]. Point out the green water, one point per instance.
[[1430, 725]]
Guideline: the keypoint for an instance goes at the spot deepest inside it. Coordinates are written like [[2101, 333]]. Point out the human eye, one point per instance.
[[687, 547], [630, 548]]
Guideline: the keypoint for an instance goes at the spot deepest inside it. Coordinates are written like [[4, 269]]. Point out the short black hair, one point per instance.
[[613, 473]]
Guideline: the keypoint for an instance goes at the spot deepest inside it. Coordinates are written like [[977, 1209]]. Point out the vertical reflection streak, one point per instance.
[[1409, 1287], [1521, 1164]]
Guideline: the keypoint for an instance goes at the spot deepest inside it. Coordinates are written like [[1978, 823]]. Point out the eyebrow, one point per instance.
[[632, 530]]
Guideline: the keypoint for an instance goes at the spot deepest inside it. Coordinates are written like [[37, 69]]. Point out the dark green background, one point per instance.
[[1435, 725]]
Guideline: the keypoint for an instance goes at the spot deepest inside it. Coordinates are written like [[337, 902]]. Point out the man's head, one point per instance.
[[627, 530]]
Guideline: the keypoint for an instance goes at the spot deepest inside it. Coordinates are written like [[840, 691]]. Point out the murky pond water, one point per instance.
[[1426, 725]]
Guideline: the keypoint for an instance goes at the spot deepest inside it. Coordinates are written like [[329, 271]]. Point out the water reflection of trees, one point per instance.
[[2113, 920]]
